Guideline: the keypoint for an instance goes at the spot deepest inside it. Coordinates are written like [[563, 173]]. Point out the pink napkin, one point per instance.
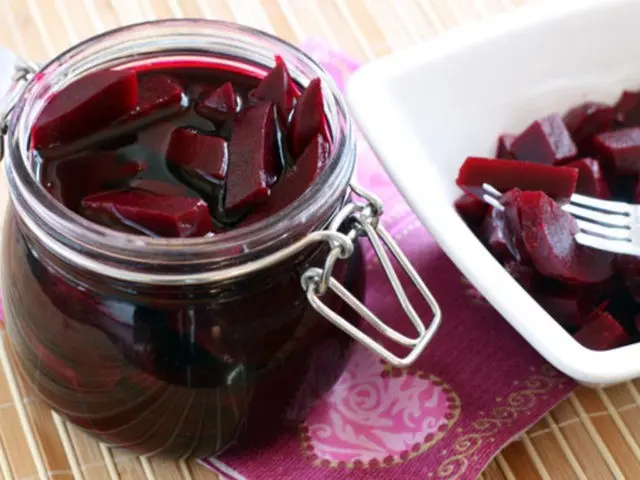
[[477, 386]]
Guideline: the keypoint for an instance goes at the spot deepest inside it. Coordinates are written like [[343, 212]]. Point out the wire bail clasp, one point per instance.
[[361, 219]]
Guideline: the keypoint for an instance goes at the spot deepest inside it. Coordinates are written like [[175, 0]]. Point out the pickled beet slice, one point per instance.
[[471, 209], [567, 307], [204, 154], [220, 104], [504, 146], [166, 216], [254, 163], [591, 180], [277, 87], [601, 332], [548, 236], [308, 119], [87, 105], [587, 120], [296, 181], [557, 182], [628, 267], [627, 109], [545, 141], [157, 93], [620, 149], [524, 275]]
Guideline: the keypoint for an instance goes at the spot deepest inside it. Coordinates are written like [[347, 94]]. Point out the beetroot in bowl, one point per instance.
[[592, 150]]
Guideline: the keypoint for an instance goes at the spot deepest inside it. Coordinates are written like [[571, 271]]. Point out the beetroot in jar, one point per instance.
[[167, 224]]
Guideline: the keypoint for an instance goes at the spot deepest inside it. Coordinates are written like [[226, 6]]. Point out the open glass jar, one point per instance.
[[188, 346]]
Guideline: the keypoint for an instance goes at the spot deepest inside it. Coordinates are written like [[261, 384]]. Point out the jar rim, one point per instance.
[[164, 37]]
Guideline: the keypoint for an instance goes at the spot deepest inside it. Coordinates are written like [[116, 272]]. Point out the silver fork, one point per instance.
[[604, 224]]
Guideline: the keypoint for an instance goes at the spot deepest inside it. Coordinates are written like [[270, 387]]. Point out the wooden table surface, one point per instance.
[[594, 435]]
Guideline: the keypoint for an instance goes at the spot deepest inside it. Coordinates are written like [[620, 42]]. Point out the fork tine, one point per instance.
[[614, 233], [600, 243], [613, 219], [604, 205]]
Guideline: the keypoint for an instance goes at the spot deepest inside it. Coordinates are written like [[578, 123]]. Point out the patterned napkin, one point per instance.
[[477, 386]]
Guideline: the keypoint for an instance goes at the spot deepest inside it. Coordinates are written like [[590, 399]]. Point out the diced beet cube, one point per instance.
[[591, 180], [71, 179], [165, 216], [205, 154], [277, 87], [87, 105], [545, 141], [547, 235], [493, 234], [620, 149], [220, 104], [627, 109], [471, 209], [504, 146], [157, 94], [254, 161], [308, 119], [587, 120], [296, 181], [557, 182], [601, 332]]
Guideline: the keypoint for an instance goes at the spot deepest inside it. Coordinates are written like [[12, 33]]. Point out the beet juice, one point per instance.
[[164, 204]]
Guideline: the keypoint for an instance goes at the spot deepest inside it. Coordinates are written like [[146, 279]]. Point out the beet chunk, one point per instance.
[[220, 104], [296, 181], [254, 162], [545, 141], [308, 119], [620, 149], [587, 120], [524, 275], [627, 109], [591, 180], [471, 209], [567, 306], [146, 212], [277, 87], [205, 155], [558, 182], [87, 105], [504, 146], [601, 332], [157, 94], [547, 240]]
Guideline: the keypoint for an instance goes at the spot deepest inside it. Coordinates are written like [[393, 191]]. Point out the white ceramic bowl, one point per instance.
[[426, 108]]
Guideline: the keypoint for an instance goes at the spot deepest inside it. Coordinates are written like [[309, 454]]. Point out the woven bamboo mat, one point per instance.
[[593, 435]]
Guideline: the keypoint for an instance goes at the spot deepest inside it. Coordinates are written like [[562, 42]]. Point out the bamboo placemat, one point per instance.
[[594, 435]]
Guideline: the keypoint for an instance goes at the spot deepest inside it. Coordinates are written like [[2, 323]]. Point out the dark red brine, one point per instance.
[[185, 150]]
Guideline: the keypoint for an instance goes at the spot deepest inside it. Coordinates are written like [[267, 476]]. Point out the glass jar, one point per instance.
[[189, 346]]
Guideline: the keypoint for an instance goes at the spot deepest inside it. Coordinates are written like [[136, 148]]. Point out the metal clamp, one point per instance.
[[362, 220], [22, 73]]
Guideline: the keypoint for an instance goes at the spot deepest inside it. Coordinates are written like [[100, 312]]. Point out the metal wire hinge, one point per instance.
[[362, 220], [24, 71]]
